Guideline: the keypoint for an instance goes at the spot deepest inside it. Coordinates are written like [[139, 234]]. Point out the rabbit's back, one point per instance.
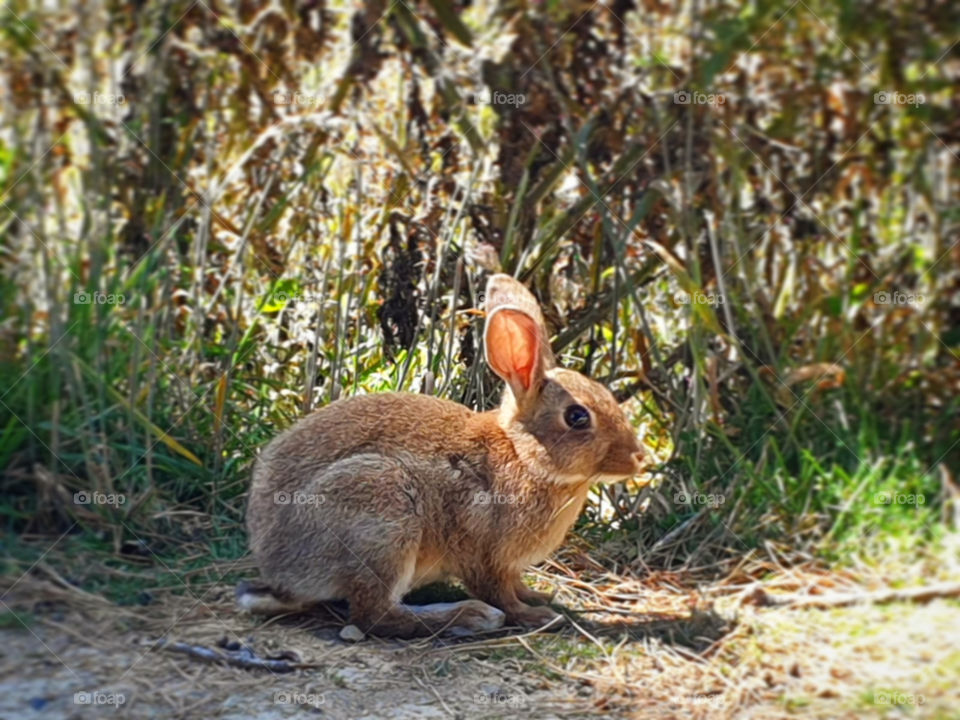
[[385, 424]]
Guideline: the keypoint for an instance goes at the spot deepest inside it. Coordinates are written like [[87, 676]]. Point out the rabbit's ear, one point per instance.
[[515, 340]]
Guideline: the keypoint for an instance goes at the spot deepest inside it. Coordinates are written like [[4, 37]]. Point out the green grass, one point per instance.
[[139, 571], [16, 621]]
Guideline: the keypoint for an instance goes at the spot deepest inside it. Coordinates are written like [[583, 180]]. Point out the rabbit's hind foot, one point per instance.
[[467, 617]]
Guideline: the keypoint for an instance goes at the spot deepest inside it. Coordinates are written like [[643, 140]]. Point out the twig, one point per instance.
[[242, 657], [828, 600]]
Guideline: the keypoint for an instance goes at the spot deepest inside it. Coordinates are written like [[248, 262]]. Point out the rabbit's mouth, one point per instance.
[[621, 467]]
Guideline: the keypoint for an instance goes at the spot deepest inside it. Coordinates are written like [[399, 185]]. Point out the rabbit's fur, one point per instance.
[[375, 495]]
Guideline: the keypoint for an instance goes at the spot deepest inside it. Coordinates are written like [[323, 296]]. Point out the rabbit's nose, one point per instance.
[[640, 458]]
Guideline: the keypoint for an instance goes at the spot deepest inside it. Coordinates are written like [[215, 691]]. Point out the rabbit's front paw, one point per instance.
[[534, 617], [533, 597]]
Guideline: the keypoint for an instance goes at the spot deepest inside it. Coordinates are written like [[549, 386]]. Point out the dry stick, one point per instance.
[[59, 580], [245, 660], [828, 600]]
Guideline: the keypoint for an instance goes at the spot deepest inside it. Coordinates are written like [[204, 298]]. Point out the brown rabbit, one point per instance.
[[375, 495]]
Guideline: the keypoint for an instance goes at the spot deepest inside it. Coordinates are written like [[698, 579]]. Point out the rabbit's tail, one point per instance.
[[262, 600]]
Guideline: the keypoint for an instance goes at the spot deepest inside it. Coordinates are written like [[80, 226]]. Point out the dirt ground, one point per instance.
[[638, 648]]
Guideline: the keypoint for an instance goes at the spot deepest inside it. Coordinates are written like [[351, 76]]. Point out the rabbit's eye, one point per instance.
[[577, 417]]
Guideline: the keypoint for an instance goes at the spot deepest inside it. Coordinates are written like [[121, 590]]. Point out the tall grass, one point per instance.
[[297, 207]]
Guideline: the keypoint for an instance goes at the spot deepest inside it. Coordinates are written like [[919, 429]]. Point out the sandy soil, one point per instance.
[[662, 652]]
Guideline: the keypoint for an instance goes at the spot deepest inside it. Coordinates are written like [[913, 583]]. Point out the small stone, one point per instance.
[[351, 633]]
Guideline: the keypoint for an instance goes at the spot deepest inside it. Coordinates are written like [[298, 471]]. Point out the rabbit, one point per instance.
[[375, 495]]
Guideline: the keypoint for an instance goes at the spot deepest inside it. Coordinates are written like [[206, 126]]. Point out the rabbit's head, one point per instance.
[[567, 425]]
